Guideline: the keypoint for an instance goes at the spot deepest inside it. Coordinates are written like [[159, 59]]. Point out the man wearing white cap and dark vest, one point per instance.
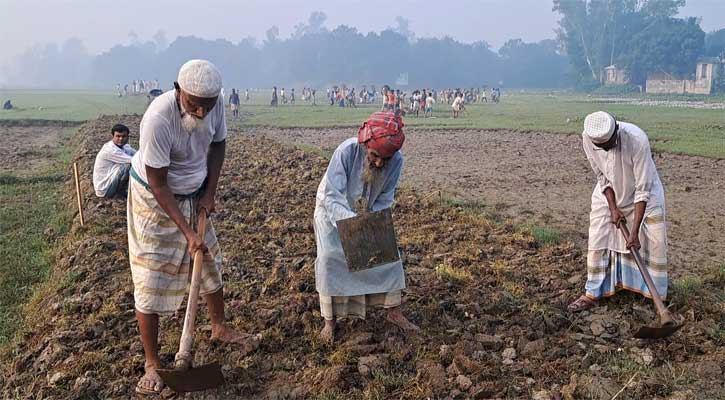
[[174, 176], [629, 187]]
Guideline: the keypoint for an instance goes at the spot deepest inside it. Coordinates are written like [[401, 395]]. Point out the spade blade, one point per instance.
[[204, 377]]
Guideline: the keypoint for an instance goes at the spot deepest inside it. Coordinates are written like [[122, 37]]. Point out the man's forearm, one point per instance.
[[165, 197], [214, 164], [611, 200], [639, 209], [166, 200]]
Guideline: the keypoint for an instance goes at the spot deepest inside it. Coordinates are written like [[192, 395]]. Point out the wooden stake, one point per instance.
[[78, 192]]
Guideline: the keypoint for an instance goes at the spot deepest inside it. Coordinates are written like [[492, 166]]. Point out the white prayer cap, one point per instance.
[[599, 127], [200, 78]]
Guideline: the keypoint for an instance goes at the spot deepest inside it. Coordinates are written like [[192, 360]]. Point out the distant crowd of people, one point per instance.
[[137, 87], [419, 102]]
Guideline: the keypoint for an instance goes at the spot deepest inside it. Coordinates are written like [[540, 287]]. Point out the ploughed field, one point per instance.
[[490, 298], [545, 180]]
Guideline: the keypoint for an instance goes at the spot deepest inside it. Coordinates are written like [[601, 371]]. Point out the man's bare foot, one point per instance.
[[398, 319], [327, 334], [225, 333], [151, 382]]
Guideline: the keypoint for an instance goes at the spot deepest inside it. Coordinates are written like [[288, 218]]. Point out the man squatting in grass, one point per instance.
[[175, 175], [627, 186], [113, 163], [363, 174]]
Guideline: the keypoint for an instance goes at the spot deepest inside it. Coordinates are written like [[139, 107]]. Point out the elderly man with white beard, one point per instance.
[[175, 175], [362, 176]]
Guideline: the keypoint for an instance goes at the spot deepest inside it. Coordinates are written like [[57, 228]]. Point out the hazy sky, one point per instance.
[[103, 23]]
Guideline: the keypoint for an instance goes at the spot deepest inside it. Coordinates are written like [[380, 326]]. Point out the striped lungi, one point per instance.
[[608, 270], [332, 307], [160, 262]]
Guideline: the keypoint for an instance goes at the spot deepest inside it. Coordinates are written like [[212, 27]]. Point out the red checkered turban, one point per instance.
[[382, 132]]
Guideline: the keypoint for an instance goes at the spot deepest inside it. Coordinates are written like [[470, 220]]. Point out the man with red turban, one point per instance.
[[362, 176]]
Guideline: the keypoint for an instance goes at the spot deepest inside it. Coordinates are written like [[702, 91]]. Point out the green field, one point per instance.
[[67, 105], [671, 129]]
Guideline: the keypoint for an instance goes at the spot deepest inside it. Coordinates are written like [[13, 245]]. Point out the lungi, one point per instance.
[[332, 307], [158, 253], [608, 270]]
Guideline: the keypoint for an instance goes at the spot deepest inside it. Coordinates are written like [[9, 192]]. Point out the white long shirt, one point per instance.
[[630, 171], [108, 161]]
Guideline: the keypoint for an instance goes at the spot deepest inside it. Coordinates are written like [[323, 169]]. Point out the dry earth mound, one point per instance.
[[490, 299]]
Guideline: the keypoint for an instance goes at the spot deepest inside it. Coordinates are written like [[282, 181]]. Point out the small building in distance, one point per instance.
[[615, 76], [706, 74]]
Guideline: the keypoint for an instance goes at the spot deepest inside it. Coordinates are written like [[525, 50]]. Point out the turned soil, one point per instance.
[[25, 150]]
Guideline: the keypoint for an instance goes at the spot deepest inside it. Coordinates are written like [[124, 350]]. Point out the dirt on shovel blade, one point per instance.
[[490, 299]]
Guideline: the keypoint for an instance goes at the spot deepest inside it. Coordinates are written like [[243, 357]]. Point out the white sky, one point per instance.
[[101, 24]]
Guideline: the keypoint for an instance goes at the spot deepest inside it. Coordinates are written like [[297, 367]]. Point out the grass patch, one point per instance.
[[382, 385], [546, 236], [315, 150], [31, 207], [716, 275], [451, 273], [687, 288]]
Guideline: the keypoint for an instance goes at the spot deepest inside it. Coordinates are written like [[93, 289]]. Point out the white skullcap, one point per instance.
[[599, 127], [200, 78]]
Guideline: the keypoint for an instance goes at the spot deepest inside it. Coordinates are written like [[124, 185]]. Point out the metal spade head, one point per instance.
[[658, 332], [368, 240], [194, 379]]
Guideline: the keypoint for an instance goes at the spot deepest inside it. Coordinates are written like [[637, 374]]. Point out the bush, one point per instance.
[[617, 89]]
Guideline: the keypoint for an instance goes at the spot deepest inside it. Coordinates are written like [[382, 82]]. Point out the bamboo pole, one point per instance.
[[78, 193]]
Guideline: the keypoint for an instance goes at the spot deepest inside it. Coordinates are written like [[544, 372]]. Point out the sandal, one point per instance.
[[582, 303], [150, 383]]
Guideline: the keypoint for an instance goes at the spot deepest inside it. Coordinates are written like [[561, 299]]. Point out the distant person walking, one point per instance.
[[273, 103], [234, 103]]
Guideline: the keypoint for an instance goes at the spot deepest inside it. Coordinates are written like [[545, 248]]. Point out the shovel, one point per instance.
[[668, 324], [368, 240], [185, 377]]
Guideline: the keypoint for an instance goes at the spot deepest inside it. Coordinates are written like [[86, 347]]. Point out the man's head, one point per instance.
[[382, 135], [198, 87], [602, 129], [120, 134]]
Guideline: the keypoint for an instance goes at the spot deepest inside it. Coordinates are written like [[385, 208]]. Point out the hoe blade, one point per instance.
[[653, 332], [204, 377]]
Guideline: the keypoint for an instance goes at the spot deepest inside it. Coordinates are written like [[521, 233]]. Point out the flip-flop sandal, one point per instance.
[[581, 304], [140, 389]]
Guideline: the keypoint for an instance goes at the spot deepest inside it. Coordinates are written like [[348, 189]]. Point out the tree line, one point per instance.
[[640, 35]]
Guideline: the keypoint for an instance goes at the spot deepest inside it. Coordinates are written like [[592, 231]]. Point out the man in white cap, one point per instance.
[[628, 187], [175, 175]]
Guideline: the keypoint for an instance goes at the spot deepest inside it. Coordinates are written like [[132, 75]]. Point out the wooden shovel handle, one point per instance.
[[664, 314], [183, 357]]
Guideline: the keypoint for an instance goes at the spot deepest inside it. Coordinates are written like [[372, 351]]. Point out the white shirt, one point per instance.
[[164, 143], [630, 171], [429, 101], [108, 160]]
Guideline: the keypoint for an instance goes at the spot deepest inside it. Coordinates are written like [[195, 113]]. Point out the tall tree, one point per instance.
[[598, 33], [715, 44]]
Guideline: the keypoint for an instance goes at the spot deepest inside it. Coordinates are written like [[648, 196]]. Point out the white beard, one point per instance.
[[189, 123]]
